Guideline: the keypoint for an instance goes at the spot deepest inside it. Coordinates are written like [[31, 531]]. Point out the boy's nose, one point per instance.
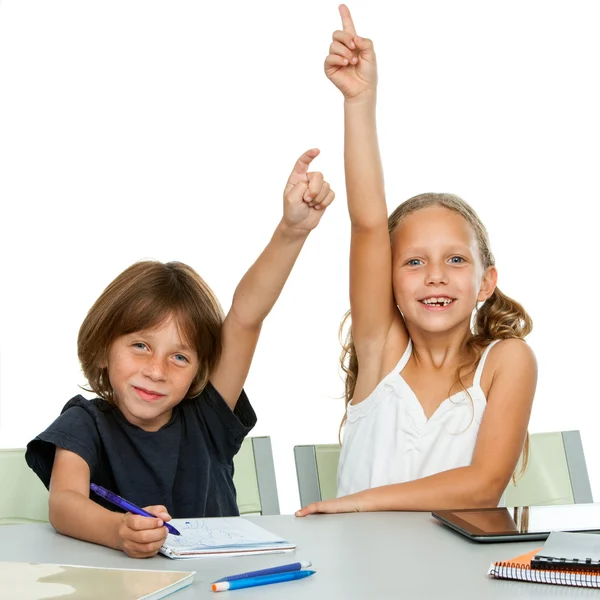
[[154, 370]]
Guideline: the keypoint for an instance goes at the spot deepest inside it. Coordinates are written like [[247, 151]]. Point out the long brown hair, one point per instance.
[[500, 317], [140, 298]]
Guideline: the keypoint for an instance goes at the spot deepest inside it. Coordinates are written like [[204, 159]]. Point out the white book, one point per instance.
[[221, 536]]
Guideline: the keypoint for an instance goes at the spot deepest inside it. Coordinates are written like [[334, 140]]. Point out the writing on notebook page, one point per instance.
[[214, 533]]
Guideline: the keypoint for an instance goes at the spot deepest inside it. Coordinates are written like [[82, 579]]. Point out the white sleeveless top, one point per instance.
[[387, 439]]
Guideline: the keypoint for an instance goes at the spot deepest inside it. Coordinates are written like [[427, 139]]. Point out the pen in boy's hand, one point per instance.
[[126, 505]]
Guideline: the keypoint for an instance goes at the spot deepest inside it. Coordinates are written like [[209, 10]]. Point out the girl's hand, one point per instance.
[[351, 63], [142, 537], [345, 504], [306, 196]]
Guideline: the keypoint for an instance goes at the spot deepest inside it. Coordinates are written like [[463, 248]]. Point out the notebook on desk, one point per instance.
[[221, 536], [33, 581], [571, 559]]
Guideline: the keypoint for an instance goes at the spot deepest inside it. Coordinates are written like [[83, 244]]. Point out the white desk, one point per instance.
[[370, 556]]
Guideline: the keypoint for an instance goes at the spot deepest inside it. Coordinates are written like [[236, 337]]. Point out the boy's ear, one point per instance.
[[488, 284]]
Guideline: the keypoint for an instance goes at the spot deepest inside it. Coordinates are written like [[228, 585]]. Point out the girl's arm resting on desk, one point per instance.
[[73, 513], [499, 444], [306, 197]]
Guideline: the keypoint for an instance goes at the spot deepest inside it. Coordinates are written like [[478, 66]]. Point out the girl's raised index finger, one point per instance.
[[347, 22]]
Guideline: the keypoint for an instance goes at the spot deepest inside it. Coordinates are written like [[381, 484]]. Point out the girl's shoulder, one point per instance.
[[508, 355]]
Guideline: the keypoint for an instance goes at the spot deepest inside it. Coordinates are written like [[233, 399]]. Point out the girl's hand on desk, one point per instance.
[[142, 537], [345, 504]]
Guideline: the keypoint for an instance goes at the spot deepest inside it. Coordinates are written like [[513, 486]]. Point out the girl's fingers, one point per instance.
[[345, 38], [341, 50], [333, 60]]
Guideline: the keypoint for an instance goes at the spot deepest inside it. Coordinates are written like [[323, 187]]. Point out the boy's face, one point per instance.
[[151, 372]]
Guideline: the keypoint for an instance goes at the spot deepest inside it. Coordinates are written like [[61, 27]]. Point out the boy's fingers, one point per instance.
[[158, 510], [347, 23], [301, 167], [323, 193], [315, 183], [140, 523], [328, 200]]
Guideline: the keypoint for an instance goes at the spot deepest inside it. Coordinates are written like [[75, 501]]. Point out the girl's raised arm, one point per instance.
[[351, 66]]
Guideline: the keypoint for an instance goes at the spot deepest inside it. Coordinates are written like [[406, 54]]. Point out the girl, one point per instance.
[[427, 426], [169, 373]]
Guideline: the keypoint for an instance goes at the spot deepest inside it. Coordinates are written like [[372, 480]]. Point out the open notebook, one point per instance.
[[221, 536], [33, 581], [565, 559]]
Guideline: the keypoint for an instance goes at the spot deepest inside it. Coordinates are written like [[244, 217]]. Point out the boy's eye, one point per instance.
[[139, 345], [457, 260], [414, 262]]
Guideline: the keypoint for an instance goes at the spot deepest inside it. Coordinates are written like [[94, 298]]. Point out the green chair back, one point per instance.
[[23, 497], [316, 469], [556, 472], [254, 477]]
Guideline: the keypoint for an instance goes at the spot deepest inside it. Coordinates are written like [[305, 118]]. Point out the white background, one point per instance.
[[167, 129]]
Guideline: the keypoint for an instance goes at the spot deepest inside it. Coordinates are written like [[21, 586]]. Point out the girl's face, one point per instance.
[[151, 372], [438, 277]]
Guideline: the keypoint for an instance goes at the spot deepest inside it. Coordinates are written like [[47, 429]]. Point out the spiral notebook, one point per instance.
[[565, 559], [221, 536]]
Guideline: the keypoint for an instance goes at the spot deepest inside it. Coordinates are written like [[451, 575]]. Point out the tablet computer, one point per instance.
[[521, 522]]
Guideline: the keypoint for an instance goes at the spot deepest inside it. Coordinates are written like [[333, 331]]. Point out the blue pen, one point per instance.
[[271, 571], [126, 505], [238, 584]]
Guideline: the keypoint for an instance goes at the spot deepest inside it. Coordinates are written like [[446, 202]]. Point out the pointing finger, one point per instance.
[[301, 167], [347, 23]]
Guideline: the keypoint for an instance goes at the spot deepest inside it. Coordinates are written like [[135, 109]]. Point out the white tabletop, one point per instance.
[[367, 556]]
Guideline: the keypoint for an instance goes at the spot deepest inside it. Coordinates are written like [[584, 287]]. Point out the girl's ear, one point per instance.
[[488, 284]]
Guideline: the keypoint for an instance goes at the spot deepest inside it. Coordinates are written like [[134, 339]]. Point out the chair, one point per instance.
[[316, 469], [556, 473], [23, 497], [254, 477]]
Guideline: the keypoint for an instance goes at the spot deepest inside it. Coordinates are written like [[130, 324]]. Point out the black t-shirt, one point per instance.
[[187, 465]]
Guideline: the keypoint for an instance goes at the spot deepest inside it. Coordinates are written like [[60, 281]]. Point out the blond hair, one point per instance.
[[500, 317], [141, 298]]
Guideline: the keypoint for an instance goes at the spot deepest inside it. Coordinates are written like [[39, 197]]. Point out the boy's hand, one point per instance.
[[306, 196], [351, 63], [142, 537]]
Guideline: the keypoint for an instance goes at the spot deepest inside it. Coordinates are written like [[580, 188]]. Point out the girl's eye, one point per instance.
[[139, 345], [457, 260], [414, 262], [181, 358]]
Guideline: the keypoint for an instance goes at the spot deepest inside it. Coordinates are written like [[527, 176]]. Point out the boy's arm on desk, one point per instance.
[[73, 513]]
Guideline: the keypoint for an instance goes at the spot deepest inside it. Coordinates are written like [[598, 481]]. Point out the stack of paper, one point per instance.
[[227, 536]]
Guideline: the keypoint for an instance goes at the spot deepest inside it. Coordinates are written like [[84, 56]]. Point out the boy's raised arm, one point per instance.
[[305, 198]]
